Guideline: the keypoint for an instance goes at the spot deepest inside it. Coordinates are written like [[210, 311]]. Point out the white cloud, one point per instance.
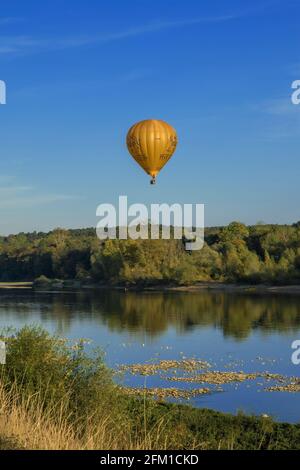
[[9, 20], [27, 196], [280, 106], [278, 118], [294, 70], [28, 44], [25, 44]]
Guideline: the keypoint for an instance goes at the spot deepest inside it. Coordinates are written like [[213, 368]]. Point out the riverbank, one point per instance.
[[203, 286], [16, 285], [244, 288]]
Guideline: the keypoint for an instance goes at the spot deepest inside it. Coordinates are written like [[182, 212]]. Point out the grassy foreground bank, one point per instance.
[[54, 396]]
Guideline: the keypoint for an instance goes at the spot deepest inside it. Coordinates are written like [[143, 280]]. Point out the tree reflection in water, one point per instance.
[[153, 313]]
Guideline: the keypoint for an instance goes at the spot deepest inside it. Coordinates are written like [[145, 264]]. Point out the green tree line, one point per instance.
[[235, 253]]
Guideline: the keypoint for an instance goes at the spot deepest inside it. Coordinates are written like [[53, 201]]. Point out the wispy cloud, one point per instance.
[[27, 197], [136, 74], [9, 20], [294, 70], [76, 86], [279, 107], [279, 119], [27, 44], [6, 191]]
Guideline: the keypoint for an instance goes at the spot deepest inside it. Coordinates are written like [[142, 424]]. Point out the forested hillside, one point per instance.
[[236, 253]]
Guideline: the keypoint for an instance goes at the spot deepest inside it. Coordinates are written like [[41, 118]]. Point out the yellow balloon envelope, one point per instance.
[[151, 143]]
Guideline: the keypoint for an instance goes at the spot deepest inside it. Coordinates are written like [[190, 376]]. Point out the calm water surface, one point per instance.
[[250, 333]]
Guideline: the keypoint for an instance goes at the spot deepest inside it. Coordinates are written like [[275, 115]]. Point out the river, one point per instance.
[[252, 333]]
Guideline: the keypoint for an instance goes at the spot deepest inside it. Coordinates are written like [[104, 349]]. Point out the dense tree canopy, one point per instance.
[[236, 253]]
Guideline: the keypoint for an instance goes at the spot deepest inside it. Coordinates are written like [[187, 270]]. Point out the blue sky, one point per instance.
[[80, 73]]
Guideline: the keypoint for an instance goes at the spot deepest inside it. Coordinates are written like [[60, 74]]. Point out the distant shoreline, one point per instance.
[[224, 287], [203, 286]]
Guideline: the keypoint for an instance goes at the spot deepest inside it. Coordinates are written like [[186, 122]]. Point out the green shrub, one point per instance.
[[37, 362], [42, 280]]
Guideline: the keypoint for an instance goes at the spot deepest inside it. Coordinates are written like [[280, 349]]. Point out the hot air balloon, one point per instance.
[[151, 143]]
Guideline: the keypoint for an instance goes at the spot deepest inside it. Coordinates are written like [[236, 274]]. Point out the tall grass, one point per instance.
[[54, 396], [26, 423]]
